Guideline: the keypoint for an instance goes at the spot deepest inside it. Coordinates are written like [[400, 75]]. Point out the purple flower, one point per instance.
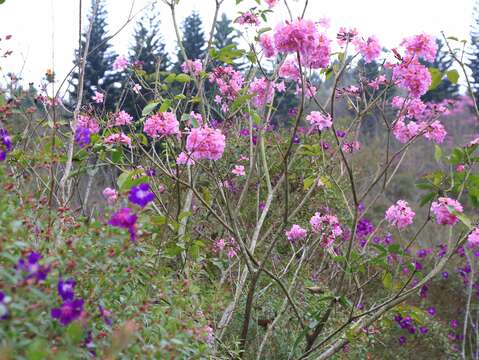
[[141, 195], [5, 144], [293, 112], [32, 268], [69, 311], [125, 219], [340, 133], [402, 340], [423, 330], [244, 132], [150, 172], [424, 291], [454, 323], [105, 314], [66, 289], [417, 265], [82, 136], [3, 307], [445, 274], [431, 311], [296, 139], [364, 227]]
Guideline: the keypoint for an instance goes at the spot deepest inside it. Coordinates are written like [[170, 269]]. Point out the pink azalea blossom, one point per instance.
[[405, 133], [327, 226], [162, 124], [436, 132], [98, 97], [120, 63], [123, 118], [289, 69], [111, 195], [412, 76], [248, 18], [473, 238], [319, 121], [400, 214], [442, 213], [296, 233], [369, 48], [192, 66], [136, 88], [118, 139], [205, 143], [89, 123], [271, 3], [421, 46], [380, 80], [267, 45], [184, 159], [238, 170], [258, 88]]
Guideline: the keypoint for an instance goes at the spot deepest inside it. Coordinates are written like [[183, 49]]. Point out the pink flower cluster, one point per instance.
[[400, 214], [434, 131], [162, 124], [123, 118], [263, 91], [238, 170], [248, 18], [303, 36], [290, 69], [89, 123], [205, 143], [120, 63], [412, 76], [420, 46], [369, 48], [271, 3], [473, 238], [319, 121], [118, 139], [229, 82], [440, 209], [111, 195], [98, 97], [326, 225], [267, 45], [192, 66], [230, 246], [296, 233]]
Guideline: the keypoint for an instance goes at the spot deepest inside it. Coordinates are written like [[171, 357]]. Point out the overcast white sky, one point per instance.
[[35, 23]]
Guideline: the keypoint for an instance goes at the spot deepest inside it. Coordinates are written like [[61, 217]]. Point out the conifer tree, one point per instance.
[[193, 39]]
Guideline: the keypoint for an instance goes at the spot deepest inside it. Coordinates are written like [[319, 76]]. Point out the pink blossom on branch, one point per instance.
[[296, 233], [369, 48], [267, 45], [192, 66], [118, 139], [440, 209], [400, 214], [473, 238], [89, 123], [421, 46], [162, 124], [205, 143], [238, 170], [123, 118], [319, 121], [120, 63], [98, 97]]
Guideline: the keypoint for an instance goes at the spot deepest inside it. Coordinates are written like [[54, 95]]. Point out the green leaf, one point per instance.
[[37, 350], [426, 198], [183, 78], [116, 155], [464, 219], [170, 78], [436, 76], [388, 281], [74, 332], [149, 108], [2, 1], [165, 106], [453, 76], [308, 182]]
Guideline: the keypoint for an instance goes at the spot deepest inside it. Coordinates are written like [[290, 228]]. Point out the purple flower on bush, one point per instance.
[[402, 340], [105, 314], [3, 306], [431, 311], [69, 311], [32, 268], [82, 136], [66, 289], [125, 219], [5, 144], [364, 227], [445, 274], [423, 330], [141, 195]]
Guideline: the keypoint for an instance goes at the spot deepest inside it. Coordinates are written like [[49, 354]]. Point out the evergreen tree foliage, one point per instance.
[[225, 34], [193, 39], [99, 59]]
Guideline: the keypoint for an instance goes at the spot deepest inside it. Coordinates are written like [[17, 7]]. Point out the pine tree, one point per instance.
[[148, 47], [474, 55], [225, 34], [99, 59], [193, 38], [446, 89]]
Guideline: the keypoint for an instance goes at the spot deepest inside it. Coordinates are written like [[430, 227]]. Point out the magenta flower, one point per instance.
[[192, 66], [125, 219], [141, 195], [98, 97], [421, 46], [473, 238], [205, 143], [120, 138], [111, 195], [120, 63], [238, 170], [319, 121], [369, 48], [89, 123], [123, 118]]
